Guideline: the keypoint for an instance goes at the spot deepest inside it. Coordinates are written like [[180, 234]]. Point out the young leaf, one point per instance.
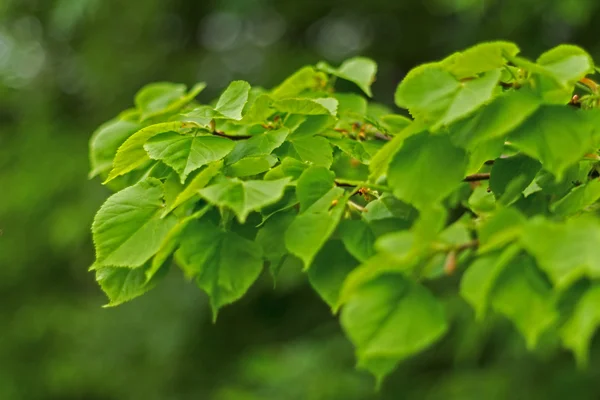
[[155, 97], [128, 228], [426, 169], [358, 238], [389, 319], [234, 98], [227, 265], [243, 197], [124, 284], [314, 150], [187, 153], [522, 295], [310, 230], [567, 63], [313, 184], [578, 199], [510, 176], [329, 270], [199, 181], [481, 58], [303, 79], [322, 106], [105, 142], [359, 70], [259, 145]]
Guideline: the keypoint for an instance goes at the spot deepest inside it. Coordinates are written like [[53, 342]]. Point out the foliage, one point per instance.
[[259, 178]]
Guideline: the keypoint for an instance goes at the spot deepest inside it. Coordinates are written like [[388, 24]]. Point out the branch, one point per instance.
[[359, 184], [223, 134], [477, 177]]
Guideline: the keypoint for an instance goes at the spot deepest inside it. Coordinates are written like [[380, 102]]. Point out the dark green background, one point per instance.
[[68, 65]]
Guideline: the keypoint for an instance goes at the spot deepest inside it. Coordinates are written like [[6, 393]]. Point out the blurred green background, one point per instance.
[[68, 65]]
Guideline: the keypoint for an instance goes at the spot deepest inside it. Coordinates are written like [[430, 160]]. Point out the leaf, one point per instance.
[[329, 270], [557, 136], [359, 70], [568, 251], [353, 148], [503, 227], [358, 238], [567, 63], [310, 230], [579, 329], [152, 99], [303, 79], [128, 229], [258, 111], [578, 199], [426, 169], [481, 58], [495, 120], [480, 277], [510, 176], [105, 142], [525, 298], [187, 153], [351, 104], [312, 125], [243, 197], [224, 264], [234, 98], [123, 284], [259, 145], [199, 181], [314, 150], [131, 153], [251, 166], [321, 106], [313, 184], [390, 318], [432, 94], [272, 239]]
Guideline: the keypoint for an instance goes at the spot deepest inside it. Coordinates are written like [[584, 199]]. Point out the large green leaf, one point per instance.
[[389, 319], [321, 106], [557, 136], [311, 229], [579, 329], [199, 181], [567, 63], [426, 169], [313, 184], [124, 284], [155, 97], [435, 96], [303, 79], [578, 199], [359, 70], [258, 145], [128, 228], [565, 251], [358, 238], [272, 239], [234, 98], [481, 58], [523, 296], [105, 142], [187, 153], [510, 176], [224, 264], [243, 197], [313, 150], [131, 153]]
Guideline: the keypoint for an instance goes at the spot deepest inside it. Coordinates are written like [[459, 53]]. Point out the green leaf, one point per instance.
[[478, 281], [524, 297], [272, 239], [322, 106], [225, 264], [351, 104], [481, 58], [312, 125], [510, 176], [251, 166], [198, 182], [568, 251], [258, 111], [311, 229], [259, 145], [504, 226], [234, 98], [432, 94], [105, 142], [131, 153], [426, 169], [313, 150], [155, 97], [557, 136], [495, 120], [187, 153], [359, 70], [303, 79], [358, 238], [579, 329], [353, 148], [578, 199], [123, 284], [243, 197], [128, 229], [390, 318], [329, 270], [313, 184], [567, 63]]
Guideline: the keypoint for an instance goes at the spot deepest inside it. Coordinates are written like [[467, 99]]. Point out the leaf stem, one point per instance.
[[359, 184], [477, 177]]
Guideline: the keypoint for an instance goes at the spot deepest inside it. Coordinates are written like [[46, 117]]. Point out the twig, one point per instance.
[[477, 177], [223, 134], [359, 184]]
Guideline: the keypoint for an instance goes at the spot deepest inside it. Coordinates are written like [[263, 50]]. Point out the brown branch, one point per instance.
[[477, 177], [223, 134]]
